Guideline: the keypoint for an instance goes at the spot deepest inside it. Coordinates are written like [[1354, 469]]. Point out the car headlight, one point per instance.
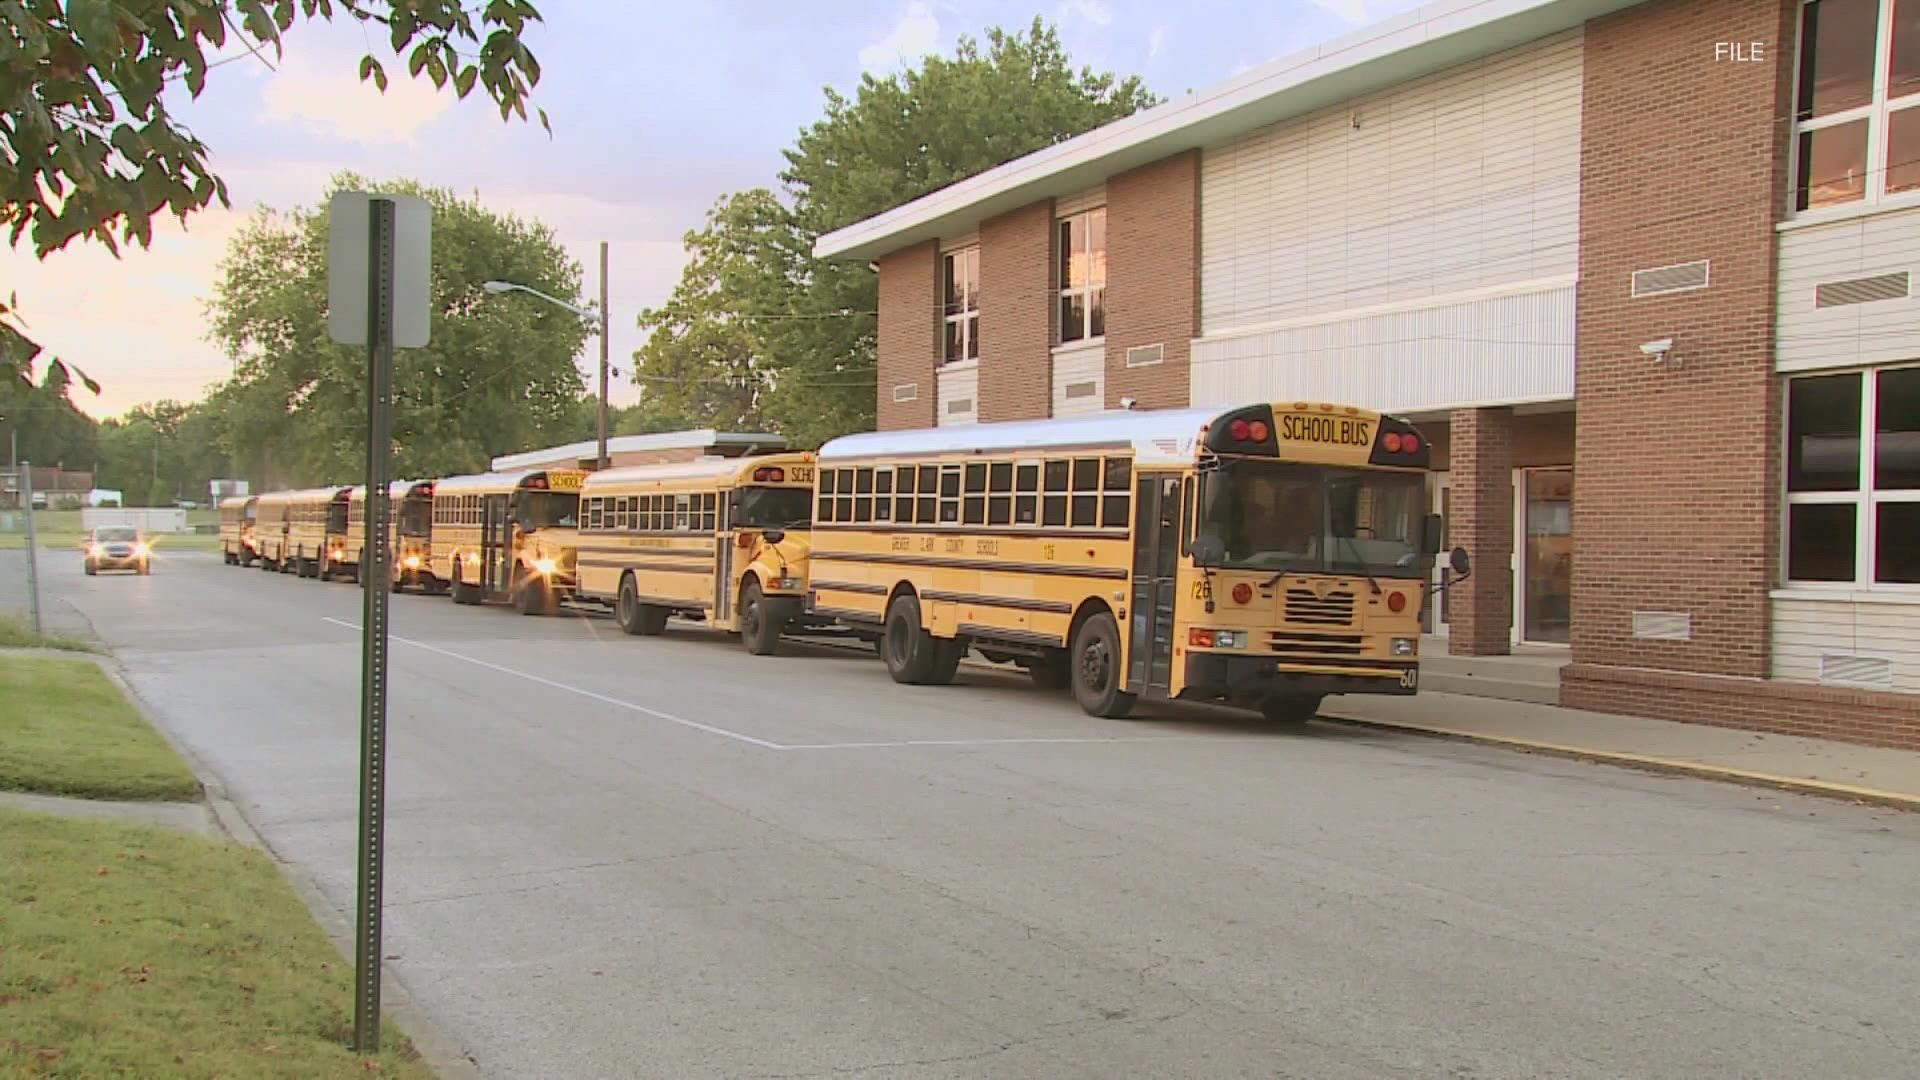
[[545, 565], [143, 548], [1406, 646]]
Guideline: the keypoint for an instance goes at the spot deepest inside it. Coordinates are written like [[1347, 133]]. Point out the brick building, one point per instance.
[[1641, 268], [655, 449]]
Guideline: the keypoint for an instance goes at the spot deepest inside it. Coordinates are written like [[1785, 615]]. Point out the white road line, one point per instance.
[[602, 698]]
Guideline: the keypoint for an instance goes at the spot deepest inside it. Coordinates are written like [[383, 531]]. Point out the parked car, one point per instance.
[[118, 547]]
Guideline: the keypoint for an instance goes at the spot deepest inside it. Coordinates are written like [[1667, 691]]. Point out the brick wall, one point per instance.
[[1016, 314], [1869, 717], [1153, 279], [908, 336], [1480, 609], [1683, 159], [1539, 440]]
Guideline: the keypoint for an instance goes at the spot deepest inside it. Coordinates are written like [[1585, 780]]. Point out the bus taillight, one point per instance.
[[1396, 602]]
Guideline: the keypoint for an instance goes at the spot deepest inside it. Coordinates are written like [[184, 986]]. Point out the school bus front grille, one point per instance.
[[1333, 609], [1307, 645]]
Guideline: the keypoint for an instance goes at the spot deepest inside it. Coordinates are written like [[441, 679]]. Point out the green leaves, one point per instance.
[[499, 376], [91, 152]]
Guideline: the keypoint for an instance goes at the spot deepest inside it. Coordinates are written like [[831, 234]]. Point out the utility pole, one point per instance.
[[601, 460], [33, 541]]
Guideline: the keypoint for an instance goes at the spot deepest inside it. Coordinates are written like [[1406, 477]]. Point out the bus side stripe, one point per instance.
[[934, 561]]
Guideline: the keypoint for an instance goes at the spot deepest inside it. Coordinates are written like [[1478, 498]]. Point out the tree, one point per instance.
[[499, 374], [91, 149], [756, 317], [42, 423]]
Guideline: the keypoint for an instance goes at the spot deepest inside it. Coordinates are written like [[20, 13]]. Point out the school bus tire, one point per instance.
[[906, 647], [1291, 710], [946, 661], [535, 596], [463, 593], [1049, 672], [1096, 672], [760, 627], [637, 618]]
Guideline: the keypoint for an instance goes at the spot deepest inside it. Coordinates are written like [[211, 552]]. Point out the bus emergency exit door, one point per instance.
[[1156, 552]]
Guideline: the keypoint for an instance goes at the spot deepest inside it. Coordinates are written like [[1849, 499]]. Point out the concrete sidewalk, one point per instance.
[[1843, 770]]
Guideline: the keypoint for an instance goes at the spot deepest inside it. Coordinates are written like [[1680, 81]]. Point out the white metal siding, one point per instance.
[[1499, 349], [1464, 179], [958, 383], [1804, 630], [1080, 366], [1884, 330]]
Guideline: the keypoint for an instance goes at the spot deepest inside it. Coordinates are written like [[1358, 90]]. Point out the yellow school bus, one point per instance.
[[270, 513], [722, 540], [311, 525], [413, 537], [236, 530], [1263, 556], [508, 536]]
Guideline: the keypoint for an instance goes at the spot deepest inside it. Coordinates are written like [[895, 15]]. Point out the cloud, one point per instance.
[[915, 34], [1156, 41], [1352, 11], [1093, 11], [320, 89]]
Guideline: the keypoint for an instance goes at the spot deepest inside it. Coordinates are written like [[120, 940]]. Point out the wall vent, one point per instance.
[[1146, 355], [1861, 290], [906, 391], [1871, 672], [1081, 389], [960, 405], [1661, 280], [1663, 625]]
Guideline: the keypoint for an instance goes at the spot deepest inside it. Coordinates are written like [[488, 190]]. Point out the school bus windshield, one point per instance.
[[774, 508], [1273, 516], [547, 509]]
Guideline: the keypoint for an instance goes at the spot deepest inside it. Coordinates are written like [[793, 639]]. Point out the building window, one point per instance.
[[1083, 275], [961, 309], [1853, 478], [1857, 110]]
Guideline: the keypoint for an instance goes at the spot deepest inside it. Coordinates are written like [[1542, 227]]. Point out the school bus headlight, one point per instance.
[[1217, 639], [787, 583], [1406, 646], [411, 562], [473, 558], [545, 565]]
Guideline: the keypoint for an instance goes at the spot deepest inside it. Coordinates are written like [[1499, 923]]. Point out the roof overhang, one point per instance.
[[1420, 42]]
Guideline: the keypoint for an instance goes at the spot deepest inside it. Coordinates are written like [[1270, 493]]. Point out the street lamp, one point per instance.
[[600, 318]]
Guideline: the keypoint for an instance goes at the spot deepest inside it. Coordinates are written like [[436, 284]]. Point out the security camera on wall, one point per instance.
[[1658, 351]]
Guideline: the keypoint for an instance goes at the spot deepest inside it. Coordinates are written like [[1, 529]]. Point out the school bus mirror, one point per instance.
[[1433, 534], [1209, 550], [1459, 563]]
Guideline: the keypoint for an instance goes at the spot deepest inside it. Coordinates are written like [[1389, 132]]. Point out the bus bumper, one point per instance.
[[1218, 676]]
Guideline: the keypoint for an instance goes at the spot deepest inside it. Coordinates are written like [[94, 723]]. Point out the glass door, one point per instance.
[[1547, 589], [1433, 613]]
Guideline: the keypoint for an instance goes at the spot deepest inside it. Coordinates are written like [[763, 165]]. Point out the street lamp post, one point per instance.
[[598, 318]]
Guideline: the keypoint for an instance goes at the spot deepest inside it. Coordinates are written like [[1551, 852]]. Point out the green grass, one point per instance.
[[65, 729], [16, 632], [133, 951]]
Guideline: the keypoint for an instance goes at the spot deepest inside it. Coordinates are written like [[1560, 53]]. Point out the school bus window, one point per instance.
[[708, 511], [1119, 474], [1113, 511], [824, 511], [1026, 501], [827, 477], [863, 481], [1086, 474], [883, 481]]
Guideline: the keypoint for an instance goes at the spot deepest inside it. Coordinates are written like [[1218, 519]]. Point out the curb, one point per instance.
[[1643, 762], [1649, 763], [440, 1054]]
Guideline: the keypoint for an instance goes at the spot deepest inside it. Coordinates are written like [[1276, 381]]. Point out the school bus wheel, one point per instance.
[[760, 625], [1291, 709], [1048, 672], [634, 617], [906, 647], [534, 596], [1096, 673]]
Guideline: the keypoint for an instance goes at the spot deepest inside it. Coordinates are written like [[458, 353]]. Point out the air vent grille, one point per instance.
[[906, 391], [960, 405], [1146, 355], [1872, 672], [1661, 280], [1081, 389], [1861, 290], [1663, 625]]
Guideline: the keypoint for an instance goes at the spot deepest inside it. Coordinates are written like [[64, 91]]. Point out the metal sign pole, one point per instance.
[[25, 477], [374, 562]]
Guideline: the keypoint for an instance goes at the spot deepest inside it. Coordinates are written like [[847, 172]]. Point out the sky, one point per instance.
[[658, 110]]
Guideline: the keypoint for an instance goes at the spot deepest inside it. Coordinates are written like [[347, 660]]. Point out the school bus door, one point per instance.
[[496, 546], [723, 557], [1156, 551]]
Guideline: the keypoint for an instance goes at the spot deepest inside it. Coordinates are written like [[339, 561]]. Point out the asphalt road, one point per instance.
[[662, 857]]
